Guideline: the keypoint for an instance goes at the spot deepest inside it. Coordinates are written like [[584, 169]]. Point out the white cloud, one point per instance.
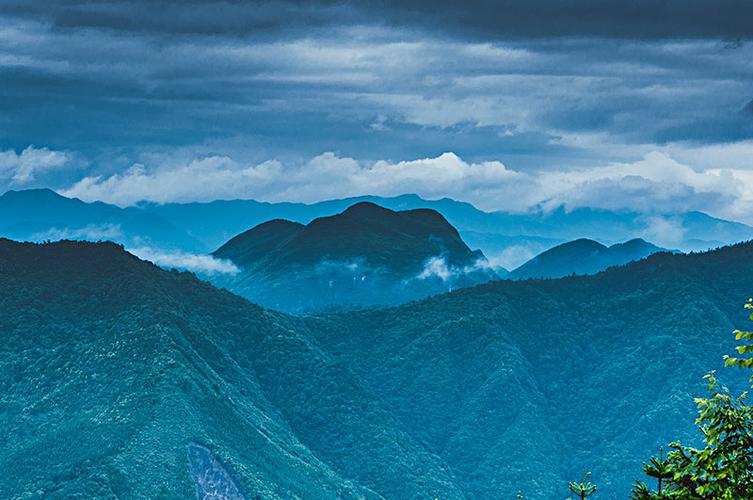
[[512, 256], [18, 169], [666, 232], [656, 183], [324, 176], [436, 267], [198, 263]]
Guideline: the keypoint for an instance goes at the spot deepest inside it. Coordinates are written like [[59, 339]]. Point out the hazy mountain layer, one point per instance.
[[42, 214], [583, 257], [506, 239]]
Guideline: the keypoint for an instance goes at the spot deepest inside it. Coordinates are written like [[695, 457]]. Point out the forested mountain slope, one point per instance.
[[521, 385], [114, 368], [367, 255], [117, 369]]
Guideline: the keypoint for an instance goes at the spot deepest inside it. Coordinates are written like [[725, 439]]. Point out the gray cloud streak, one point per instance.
[[538, 86]]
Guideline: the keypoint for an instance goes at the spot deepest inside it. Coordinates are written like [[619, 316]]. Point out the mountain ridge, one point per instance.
[[583, 256], [366, 255], [505, 238], [443, 396]]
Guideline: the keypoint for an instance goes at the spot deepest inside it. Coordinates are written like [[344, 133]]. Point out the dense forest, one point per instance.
[[365, 256], [121, 374]]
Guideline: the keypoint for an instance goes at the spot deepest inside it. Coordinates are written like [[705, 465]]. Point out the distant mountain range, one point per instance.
[[125, 380], [583, 256], [506, 239], [42, 214], [363, 256]]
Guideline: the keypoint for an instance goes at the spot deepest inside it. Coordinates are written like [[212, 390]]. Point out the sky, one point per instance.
[[513, 105]]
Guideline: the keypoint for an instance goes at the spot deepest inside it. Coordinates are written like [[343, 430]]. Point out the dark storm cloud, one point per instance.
[[539, 86], [650, 19]]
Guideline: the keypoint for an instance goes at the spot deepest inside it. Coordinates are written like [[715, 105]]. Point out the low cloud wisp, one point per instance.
[[198, 263]]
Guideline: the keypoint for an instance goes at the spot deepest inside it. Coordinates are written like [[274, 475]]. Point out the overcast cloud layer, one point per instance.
[[627, 105]]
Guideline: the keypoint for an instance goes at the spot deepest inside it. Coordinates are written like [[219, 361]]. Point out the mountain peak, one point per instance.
[[364, 231], [635, 243], [583, 256], [366, 209], [581, 243], [38, 193], [367, 253]]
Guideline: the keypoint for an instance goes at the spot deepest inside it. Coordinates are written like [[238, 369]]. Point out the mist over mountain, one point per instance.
[[42, 214], [507, 239], [409, 250], [364, 256], [583, 256], [121, 374]]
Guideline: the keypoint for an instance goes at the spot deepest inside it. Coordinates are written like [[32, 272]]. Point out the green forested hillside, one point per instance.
[[520, 385], [115, 369]]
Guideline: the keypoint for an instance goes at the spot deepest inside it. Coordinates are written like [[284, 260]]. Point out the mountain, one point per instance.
[[519, 385], [507, 239], [511, 237], [364, 256], [583, 256], [42, 214], [123, 379]]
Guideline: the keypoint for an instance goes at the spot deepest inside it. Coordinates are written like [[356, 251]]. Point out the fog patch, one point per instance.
[[352, 266], [91, 232], [438, 267], [664, 231], [198, 263], [512, 257]]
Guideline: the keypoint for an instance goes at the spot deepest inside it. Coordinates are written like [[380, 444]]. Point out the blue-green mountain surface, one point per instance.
[[367, 255], [122, 379], [583, 256], [507, 239]]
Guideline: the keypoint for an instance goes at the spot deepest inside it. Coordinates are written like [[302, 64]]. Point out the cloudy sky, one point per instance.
[[514, 105]]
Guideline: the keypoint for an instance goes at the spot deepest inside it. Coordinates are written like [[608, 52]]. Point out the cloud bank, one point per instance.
[[17, 169], [198, 263], [656, 183], [530, 83], [90, 232]]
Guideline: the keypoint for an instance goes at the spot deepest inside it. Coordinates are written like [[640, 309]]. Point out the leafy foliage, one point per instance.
[[584, 488], [744, 350], [723, 467]]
